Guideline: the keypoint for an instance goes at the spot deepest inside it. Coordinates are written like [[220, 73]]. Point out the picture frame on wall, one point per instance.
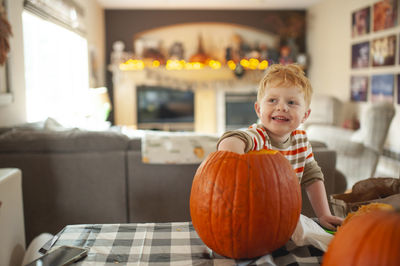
[[360, 55], [385, 14], [360, 22], [382, 87], [359, 88], [383, 51]]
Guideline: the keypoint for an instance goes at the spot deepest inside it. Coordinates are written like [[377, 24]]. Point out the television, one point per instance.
[[162, 105]]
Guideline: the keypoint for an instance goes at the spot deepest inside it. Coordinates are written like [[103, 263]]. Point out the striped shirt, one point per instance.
[[296, 149]]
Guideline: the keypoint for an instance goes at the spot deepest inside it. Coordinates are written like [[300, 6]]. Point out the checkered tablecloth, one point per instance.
[[165, 244]]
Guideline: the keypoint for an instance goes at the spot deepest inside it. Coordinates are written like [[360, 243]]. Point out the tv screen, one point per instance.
[[164, 105]]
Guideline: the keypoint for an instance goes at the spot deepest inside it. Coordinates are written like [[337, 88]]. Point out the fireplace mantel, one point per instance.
[[209, 86]]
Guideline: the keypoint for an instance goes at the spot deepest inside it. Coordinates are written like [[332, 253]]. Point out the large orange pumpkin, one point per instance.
[[245, 205], [369, 239]]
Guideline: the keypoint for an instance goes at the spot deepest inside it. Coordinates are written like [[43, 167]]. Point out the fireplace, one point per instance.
[[209, 101]]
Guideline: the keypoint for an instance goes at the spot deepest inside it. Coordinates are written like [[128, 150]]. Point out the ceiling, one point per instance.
[[207, 4]]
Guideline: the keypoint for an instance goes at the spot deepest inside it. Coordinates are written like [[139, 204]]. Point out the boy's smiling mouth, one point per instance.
[[280, 118]]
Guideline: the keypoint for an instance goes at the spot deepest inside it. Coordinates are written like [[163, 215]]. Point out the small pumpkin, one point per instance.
[[245, 205], [372, 238], [363, 209]]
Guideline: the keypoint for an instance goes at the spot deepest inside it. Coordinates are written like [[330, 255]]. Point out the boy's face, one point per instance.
[[281, 111]]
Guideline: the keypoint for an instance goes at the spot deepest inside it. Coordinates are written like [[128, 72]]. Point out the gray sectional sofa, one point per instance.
[[75, 177]]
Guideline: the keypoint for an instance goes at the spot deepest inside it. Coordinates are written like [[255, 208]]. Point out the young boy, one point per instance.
[[282, 104]]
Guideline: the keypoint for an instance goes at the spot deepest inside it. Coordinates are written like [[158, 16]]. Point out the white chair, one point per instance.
[[32, 252], [325, 110], [12, 228], [357, 151]]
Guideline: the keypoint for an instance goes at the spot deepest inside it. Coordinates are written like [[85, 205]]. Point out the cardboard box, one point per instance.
[[381, 190]]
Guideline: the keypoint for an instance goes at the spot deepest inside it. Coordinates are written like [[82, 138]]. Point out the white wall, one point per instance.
[[15, 112], [94, 19], [329, 45]]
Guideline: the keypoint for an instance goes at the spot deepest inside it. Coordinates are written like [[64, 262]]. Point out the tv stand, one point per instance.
[[173, 126]]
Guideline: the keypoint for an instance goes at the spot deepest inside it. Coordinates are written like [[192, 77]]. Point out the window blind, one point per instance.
[[66, 13]]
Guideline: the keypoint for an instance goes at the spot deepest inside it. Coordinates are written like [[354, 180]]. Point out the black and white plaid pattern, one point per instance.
[[165, 244]]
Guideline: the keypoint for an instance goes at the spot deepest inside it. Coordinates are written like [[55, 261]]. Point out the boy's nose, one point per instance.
[[282, 106]]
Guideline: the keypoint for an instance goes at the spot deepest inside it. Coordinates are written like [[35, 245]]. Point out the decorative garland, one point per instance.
[[161, 78], [5, 33]]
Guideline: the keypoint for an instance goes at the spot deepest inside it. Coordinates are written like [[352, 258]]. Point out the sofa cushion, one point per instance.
[[74, 140], [135, 144], [26, 126]]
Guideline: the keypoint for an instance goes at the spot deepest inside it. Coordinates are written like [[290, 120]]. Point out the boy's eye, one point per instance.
[[291, 102], [271, 100]]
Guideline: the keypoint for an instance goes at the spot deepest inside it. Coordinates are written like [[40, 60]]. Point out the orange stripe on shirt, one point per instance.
[[294, 152], [260, 132], [299, 170], [255, 144], [310, 155], [295, 132]]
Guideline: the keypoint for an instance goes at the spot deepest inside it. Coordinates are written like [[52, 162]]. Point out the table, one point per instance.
[[164, 244]]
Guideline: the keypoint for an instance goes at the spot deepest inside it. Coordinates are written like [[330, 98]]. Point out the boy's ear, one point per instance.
[[306, 115], [257, 108]]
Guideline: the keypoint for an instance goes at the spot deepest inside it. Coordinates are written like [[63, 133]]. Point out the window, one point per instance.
[[56, 70]]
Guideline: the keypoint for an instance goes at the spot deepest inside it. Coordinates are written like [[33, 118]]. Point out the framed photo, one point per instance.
[[385, 14], [359, 88], [382, 88], [383, 51], [360, 22], [360, 55]]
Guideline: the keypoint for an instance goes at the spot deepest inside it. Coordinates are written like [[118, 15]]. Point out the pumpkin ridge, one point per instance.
[[276, 231], [262, 179], [292, 197], [395, 234], [392, 234], [375, 234], [284, 198], [221, 160], [199, 178], [249, 196], [284, 195], [357, 247], [233, 247], [204, 171]]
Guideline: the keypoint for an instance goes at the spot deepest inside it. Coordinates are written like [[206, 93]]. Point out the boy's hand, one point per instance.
[[330, 221], [232, 144]]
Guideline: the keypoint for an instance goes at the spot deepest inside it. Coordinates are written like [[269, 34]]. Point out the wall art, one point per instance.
[[360, 22], [382, 88], [359, 88], [360, 55]]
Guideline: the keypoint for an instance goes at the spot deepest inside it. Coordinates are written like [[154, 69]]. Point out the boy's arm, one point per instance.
[[253, 137], [232, 144], [317, 196], [235, 141]]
